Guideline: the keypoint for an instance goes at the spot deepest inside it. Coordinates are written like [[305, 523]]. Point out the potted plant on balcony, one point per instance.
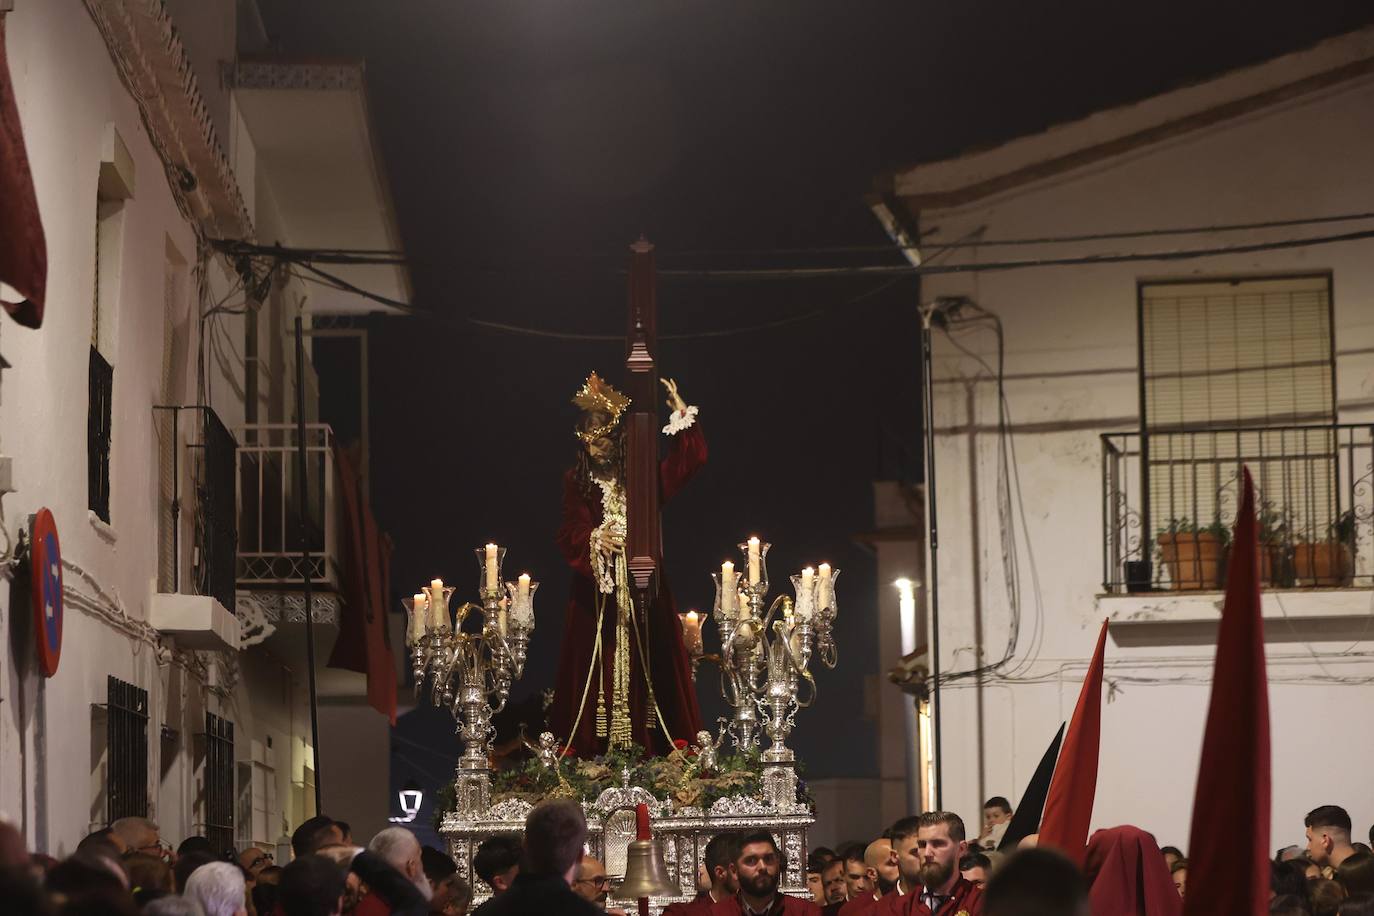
[[1193, 554], [1329, 562], [1275, 543]]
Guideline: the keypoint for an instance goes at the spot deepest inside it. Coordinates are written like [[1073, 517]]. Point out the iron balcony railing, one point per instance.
[[1169, 501], [272, 550]]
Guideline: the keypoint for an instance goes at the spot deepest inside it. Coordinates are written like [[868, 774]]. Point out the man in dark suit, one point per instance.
[[555, 833]]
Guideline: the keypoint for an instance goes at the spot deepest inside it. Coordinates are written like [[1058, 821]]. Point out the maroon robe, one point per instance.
[[668, 664], [783, 905], [965, 897]]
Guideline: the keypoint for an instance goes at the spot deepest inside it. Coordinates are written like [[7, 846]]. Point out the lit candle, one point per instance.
[[808, 578], [418, 608], [491, 569], [523, 587], [727, 586], [438, 607], [693, 627], [753, 561], [823, 599]]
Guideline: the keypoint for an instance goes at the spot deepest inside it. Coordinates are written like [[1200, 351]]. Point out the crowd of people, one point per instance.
[[923, 865], [127, 869]]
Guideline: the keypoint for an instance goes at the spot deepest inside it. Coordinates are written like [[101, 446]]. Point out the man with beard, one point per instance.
[[720, 854], [398, 848], [935, 885], [880, 866], [593, 885], [757, 869]]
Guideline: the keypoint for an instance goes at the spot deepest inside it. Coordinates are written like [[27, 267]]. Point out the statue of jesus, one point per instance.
[[623, 675]]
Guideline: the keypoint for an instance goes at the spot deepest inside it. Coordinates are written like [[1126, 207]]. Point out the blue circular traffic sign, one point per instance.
[[45, 570]]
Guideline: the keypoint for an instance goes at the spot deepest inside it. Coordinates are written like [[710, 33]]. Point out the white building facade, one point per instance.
[[162, 379], [1134, 391]]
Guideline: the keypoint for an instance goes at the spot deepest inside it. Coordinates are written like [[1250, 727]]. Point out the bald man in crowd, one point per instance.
[[880, 864]]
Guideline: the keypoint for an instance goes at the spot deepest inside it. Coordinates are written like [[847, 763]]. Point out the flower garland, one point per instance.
[[676, 776]]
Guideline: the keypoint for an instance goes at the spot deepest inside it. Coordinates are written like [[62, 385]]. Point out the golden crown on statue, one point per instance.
[[598, 396]]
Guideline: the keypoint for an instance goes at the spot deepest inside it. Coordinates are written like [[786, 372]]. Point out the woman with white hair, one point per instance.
[[219, 889]]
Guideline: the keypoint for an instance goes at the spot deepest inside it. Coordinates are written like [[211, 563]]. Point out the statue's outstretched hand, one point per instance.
[[675, 402]]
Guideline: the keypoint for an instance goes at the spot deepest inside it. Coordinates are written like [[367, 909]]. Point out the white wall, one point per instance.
[[68, 92], [1072, 374]]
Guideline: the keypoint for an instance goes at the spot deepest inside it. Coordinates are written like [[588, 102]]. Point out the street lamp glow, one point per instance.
[[906, 613]]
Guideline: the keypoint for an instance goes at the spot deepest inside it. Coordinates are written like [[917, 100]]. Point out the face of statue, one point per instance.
[[602, 450]]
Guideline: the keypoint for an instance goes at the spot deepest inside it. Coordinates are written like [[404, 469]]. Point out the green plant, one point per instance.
[[1185, 525], [1342, 529], [1275, 524], [675, 776]]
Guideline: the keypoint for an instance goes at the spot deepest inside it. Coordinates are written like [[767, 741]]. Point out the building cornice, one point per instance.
[[1125, 129], [154, 67]]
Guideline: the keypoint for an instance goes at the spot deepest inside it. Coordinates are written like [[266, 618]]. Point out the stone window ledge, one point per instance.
[[1191, 618]]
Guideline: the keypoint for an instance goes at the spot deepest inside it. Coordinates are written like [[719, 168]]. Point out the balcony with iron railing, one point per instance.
[[274, 551], [1169, 500]]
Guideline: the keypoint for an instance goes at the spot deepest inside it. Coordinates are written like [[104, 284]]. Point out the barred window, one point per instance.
[[218, 788], [126, 773]]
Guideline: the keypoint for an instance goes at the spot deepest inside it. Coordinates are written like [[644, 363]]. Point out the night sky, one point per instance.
[[527, 144]]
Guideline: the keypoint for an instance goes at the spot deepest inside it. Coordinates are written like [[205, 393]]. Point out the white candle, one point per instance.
[[418, 616], [753, 561], [823, 599], [727, 586], [808, 578], [491, 569], [523, 586], [438, 607], [693, 627]]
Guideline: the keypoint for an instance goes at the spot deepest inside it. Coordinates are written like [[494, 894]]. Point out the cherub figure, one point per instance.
[[706, 750], [546, 751]]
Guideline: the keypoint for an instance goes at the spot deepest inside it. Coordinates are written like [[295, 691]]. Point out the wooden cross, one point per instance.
[[644, 538]]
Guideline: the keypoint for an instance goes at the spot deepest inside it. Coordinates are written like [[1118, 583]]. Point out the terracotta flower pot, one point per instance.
[[1324, 563], [1192, 558]]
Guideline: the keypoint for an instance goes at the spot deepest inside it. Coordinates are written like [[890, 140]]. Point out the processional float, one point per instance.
[[469, 656]]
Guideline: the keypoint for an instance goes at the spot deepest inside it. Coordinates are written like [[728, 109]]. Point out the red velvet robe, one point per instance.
[[668, 665], [965, 898]]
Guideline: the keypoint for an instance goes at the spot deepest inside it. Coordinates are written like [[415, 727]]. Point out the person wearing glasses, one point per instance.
[[138, 834], [592, 884], [253, 860]]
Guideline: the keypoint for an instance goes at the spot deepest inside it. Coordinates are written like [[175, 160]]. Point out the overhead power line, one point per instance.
[[888, 270], [891, 272], [381, 256]]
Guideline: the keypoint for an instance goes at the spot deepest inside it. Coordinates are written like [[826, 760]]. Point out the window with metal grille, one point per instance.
[[219, 783], [126, 773], [1238, 372], [98, 436]]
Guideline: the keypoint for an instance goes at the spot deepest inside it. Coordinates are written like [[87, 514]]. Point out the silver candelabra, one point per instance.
[[472, 668], [765, 657]]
